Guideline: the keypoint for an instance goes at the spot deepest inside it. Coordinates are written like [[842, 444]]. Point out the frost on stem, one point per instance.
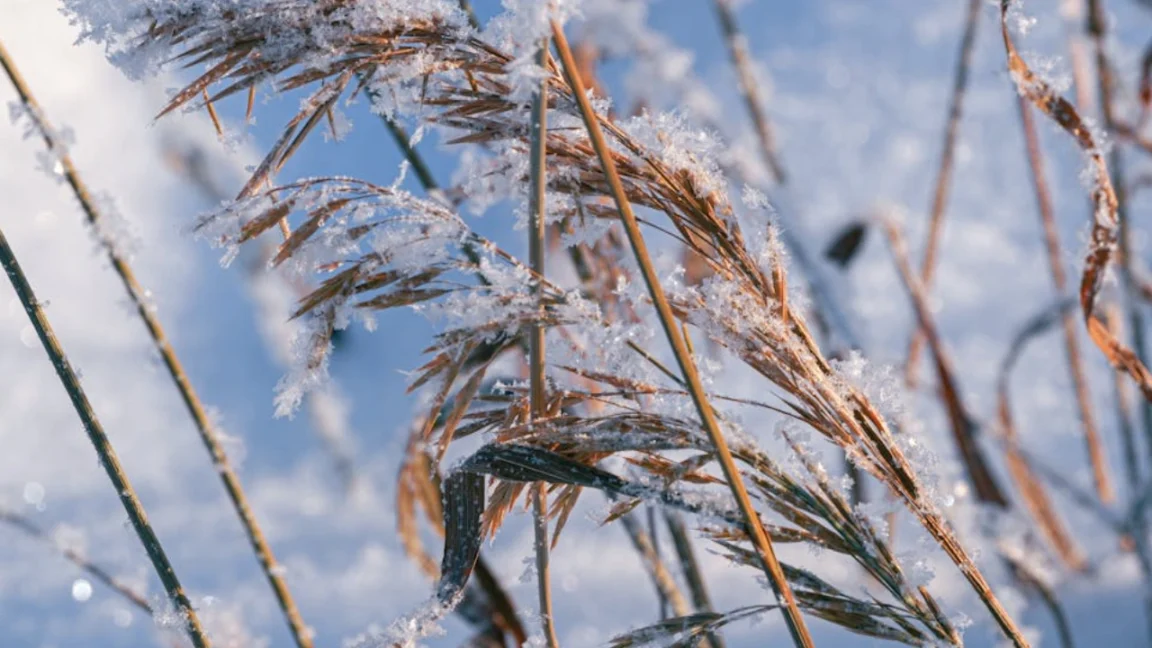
[[408, 630], [518, 31], [58, 141]]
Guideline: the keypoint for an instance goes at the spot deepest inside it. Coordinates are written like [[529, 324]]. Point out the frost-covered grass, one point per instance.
[[726, 403]]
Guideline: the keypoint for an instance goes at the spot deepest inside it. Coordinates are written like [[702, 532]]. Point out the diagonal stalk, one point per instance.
[[208, 434], [76, 558], [760, 540], [935, 523], [944, 177], [738, 51], [536, 205], [103, 446]]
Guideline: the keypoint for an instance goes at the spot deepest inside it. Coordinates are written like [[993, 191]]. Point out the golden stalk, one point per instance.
[[760, 540]]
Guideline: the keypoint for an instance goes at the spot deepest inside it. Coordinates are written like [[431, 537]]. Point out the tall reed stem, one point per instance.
[[103, 446], [944, 177], [300, 632], [691, 568], [738, 51], [536, 227], [760, 540]]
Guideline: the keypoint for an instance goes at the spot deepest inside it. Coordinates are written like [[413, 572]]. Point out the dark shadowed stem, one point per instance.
[[433, 190], [415, 160], [103, 446], [1096, 454], [466, 5], [300, 632], [760, 540], [944, 176], [25, 525], [536, 246], [426, 179], [666, 588], [738, 51], [691, 568], [1025, 575]]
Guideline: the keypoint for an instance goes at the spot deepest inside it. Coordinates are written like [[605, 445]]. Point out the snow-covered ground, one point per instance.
[[858, 93]]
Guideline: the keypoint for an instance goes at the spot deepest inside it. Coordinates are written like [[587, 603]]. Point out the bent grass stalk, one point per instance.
[[301, 634], [103, 446], [763, 544]]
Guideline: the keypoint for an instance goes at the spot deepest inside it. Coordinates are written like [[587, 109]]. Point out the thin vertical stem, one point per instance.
[[1073, 12], [738, 51], [536, 246], [662, 594], [103, 446], [944, 177], [1115, 323], [691, 568], [208, 434], [1096, 455], [760, 540], [666, 589]]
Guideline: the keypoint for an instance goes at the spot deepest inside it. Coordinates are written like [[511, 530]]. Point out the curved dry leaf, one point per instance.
[[847, 244], [1105, 225]]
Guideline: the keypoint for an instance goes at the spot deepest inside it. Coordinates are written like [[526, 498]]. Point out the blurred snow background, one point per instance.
[[858, 93]]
